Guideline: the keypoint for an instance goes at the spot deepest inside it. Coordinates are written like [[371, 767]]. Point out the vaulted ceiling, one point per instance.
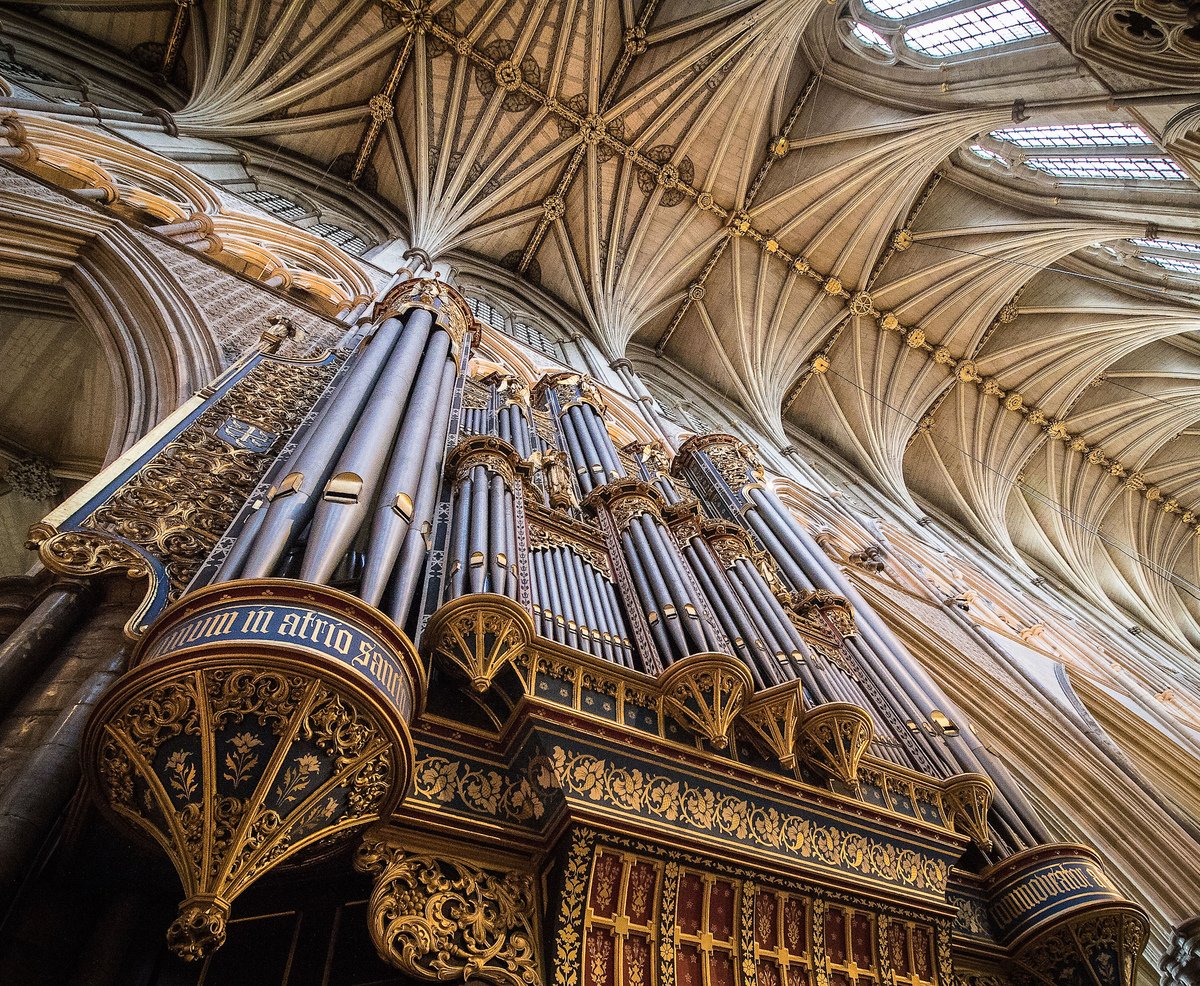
[[726, 183]]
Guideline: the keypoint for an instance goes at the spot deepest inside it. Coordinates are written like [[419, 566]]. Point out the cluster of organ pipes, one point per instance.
[[623, 554], [354, 500], [576, 604]]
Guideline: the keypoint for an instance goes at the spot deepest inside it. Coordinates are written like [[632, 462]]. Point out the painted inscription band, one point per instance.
[[1037, 888], [278, 615]]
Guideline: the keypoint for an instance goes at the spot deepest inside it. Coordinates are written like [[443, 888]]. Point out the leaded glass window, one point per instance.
[[930, 32]]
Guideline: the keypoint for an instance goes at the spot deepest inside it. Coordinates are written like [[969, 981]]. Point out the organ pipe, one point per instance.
[[483, 556], [729, 469]]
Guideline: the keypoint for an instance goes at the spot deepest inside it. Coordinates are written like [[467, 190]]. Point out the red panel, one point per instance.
[[687, 966], [839, 979], [898, 949], [768, 974], [922, 941], [863, 940], [797, 975], [765, 933], [606, 880], [637, 960], [691, 903], [640, 894], [835, 935], [720, 969], [599, 958], [720, 911], [795, 931]]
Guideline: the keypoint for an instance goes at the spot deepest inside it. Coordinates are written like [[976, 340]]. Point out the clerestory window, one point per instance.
[[1175, 246], [1083, 135], [1136, 168], [284, 208], [515, 328], [929, 33], [1102, 151], [1176, 264]]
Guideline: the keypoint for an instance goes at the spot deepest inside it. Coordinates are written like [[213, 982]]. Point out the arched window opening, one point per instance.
[[351, 242], [277, 205], [1177, 265], [1085, 151], [291, 211], [930, 33], [516, 328]]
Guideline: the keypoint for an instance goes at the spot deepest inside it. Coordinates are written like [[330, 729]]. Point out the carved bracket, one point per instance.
[[705, 692], [479, 635], [443, 918], [835, 737], [968, 799], [774, 717]]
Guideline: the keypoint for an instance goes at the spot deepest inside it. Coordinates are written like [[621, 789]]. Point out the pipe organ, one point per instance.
[[612, 699]]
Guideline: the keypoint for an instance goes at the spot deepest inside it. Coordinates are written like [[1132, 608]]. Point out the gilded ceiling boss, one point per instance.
[[594, 493]]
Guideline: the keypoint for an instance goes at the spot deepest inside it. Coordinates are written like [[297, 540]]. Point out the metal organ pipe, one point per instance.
[[512, 587], [548, 578], [734, 621], [348, 494], [583, 471], [497, 540], [606, 451], [600, 623], [593, 467], [587, 595], [458, 542], [483, 525], [650, 603], [689, 607], [312, 464], [911, 677], [477, 530], [415, 549], [569, 608], [902, 706], [584, 620], [397, 501], [616, 621]]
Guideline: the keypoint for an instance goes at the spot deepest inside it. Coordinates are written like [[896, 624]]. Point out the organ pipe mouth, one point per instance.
[[290, 484], [343, 488], [940, 720], [403, 506]]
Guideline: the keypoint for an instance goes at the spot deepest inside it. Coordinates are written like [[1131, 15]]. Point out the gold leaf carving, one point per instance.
[[440, 918]]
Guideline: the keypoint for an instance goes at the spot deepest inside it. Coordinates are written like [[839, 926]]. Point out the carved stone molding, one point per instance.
[[836, 609], [1157, 40], [494, 454], [450, 308], [705, 692], [737, 462], [445, 918], [627, 499], [1180, 964], [570, 388]]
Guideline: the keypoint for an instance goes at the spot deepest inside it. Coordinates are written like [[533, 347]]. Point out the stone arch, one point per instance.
[[155, 340]]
